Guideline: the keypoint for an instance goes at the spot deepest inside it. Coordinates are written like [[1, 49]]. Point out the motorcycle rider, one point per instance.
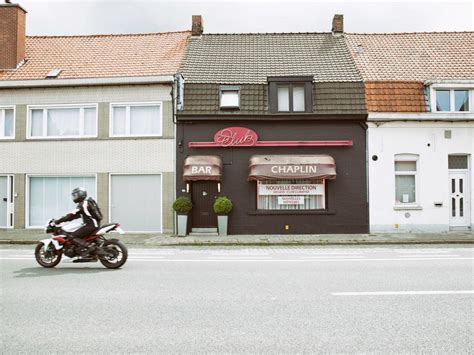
[[88, 209]]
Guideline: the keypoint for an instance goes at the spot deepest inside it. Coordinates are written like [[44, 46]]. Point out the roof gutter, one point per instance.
[[121, 80]]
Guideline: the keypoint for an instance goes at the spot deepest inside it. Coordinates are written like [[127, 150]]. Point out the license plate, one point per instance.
[[120, 230]]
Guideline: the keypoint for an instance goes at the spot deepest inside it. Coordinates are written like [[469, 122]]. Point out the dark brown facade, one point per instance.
[[284, 114], [346, 209]]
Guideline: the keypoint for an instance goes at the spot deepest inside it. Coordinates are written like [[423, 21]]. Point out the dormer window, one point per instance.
[[452, 100], [290, 94], [229, 97]]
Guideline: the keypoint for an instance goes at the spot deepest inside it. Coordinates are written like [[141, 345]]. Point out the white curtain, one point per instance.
[[8, 123], [63, 122], [283, 98], [119, 119], [405, 188], [229, 98], [36, 129], [145, 120], [90, 121], [270, 202], [50, 197], [298, 99]]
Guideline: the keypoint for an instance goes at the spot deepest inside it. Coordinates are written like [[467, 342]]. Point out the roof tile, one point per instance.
[[101, 56]]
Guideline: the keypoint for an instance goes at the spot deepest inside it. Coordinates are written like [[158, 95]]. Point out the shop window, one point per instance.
[[291, 194], [229, 97], [7, 123], [134, 120], [290, 95], [50, 196], [405, 179], [70, 121], [452, 100]]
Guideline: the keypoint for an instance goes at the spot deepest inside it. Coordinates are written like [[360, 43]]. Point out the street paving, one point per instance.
[[344, 299]]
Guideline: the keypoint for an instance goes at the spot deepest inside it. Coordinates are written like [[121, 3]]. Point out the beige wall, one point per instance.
[[101, 155]]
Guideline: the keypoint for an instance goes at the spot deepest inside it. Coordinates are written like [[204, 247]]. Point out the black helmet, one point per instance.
[[79, 194]]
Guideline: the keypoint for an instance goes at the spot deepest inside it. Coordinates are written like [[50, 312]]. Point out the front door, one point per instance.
[[6, 201], [203, 194], [459, 200]]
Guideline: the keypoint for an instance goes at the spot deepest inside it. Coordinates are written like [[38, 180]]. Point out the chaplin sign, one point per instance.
[[236, 136]]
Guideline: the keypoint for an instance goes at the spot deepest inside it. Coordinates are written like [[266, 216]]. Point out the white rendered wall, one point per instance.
[[386, 139]]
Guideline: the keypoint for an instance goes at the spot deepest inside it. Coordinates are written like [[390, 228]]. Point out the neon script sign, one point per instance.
[[236, 136], [246, 137]]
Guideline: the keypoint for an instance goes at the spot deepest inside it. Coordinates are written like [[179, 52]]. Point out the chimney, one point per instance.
[[197, 28], [12, 35], [338, 25]]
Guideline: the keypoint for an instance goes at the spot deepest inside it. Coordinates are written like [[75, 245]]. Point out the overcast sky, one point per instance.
[[63, 17]]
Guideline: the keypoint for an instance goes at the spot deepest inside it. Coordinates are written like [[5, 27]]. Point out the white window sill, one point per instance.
[[407, 207], [134, 135], [59, 137]]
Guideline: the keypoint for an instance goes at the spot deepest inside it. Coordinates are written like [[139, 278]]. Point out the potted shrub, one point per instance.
[[182, 205], [222, 207]]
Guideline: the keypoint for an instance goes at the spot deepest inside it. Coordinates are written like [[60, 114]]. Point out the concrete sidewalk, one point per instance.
[[153, 240]]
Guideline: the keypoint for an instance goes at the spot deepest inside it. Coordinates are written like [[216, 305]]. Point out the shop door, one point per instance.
[[459, 200], [203, 194], [6, 201]]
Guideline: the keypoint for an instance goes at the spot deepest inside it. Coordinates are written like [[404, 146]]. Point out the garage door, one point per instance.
[[136, 202]]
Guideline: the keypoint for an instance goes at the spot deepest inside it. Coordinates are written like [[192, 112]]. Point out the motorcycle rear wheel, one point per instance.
[[45, 261], [119, 260]]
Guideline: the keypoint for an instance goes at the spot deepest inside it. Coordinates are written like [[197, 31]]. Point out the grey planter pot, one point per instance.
[[182, 225], [222, 222]]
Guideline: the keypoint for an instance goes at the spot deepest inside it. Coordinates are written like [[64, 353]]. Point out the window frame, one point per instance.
[[275, 82], [229, 88], [2, 120], [127, 118], [45, 108], [407, 158], [27, 193], [452, 104]]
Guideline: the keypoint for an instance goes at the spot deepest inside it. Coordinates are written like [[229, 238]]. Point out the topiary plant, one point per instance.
[[222, 205], [183, 205]]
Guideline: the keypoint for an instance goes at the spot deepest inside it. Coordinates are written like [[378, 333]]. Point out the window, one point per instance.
[[405, 178], [136, 119], [290, 95], [62, 121], [7, 123], [457, 162], [229, 97], [452, 100], [50, 196], [291, 194]]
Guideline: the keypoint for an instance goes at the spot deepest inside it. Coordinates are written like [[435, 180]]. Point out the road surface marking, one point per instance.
[[429, 256], [396, 293]]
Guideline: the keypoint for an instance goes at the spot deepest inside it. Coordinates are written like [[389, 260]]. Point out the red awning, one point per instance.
[[280, 167], [202, 167]]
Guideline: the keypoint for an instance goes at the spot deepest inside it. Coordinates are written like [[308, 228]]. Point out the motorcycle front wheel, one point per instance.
[[117, 254], [47, 257]]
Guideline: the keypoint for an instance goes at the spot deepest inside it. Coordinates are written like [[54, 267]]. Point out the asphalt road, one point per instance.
[[249, 300]]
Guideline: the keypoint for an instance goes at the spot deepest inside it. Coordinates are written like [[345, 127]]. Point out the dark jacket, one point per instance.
[[87, 210]]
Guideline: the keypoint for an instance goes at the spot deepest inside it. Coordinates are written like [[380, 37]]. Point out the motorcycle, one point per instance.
[[112, 253]]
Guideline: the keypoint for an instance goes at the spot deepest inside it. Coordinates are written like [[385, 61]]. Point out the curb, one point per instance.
[[290, 243]]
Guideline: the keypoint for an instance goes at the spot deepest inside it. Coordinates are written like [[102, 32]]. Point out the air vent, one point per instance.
[[54, 73]]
